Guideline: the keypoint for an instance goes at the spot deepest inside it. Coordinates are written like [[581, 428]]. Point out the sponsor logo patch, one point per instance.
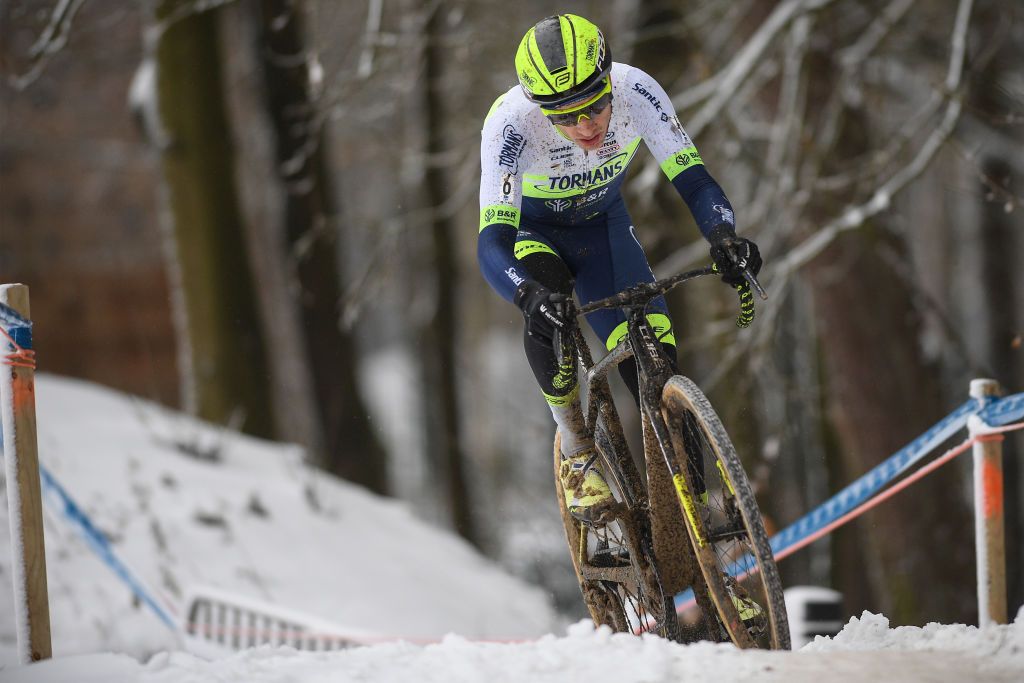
[[608, 149], [648, 96], [726, 212], [602, 174], [499, 214], [515, 277], [511, 148]]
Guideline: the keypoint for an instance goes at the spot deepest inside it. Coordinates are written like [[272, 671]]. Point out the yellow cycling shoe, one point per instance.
[[750, 612], [587, 496]]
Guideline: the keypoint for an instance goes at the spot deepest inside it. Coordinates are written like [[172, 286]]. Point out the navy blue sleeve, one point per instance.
[[495, 246], [706, 199]]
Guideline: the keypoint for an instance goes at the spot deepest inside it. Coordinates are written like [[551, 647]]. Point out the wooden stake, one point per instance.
[[21, 459]]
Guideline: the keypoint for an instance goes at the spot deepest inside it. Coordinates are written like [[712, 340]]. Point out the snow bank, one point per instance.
[[865, 650], [254, 521]]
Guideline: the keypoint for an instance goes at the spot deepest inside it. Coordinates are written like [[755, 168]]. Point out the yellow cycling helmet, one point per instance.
[[562, 60]]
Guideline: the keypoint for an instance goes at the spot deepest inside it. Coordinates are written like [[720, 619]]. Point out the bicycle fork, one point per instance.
[[655, 371]]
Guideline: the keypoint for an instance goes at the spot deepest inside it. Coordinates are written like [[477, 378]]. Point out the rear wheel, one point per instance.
[[727, 531], [615, 567]]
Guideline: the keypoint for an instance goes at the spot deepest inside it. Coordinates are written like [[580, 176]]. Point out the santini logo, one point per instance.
[[557, 205], [648, 96], [515, 277]]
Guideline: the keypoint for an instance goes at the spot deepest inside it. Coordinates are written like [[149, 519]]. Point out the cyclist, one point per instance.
[[554, 153]]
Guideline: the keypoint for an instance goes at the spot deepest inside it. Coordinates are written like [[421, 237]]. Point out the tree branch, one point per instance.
[[51, 41], [855, 216]]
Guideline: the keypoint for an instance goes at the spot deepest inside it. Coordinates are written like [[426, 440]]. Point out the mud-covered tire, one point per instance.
[[605, 601], [736, 537]]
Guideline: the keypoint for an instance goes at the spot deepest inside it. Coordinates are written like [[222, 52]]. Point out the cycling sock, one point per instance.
[[572, 427]]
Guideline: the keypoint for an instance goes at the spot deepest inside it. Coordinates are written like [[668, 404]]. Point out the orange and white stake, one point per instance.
[[990, 543]]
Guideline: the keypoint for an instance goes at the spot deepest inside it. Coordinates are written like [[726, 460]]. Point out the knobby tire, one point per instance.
[[736, 527]]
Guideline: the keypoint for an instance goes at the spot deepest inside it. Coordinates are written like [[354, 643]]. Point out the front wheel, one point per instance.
[[726, 528]]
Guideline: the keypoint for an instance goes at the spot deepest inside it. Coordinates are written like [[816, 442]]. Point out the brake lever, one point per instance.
[[752, 280]]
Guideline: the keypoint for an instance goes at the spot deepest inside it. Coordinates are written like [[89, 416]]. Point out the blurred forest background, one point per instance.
[[264, 212]]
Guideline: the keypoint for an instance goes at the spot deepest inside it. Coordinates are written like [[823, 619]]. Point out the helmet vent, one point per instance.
[[549, 44]]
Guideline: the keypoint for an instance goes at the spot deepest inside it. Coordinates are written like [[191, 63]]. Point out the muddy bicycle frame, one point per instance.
[[654, 369], [662, 498]]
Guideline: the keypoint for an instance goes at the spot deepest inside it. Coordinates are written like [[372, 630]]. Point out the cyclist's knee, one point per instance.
[[549, 269], [556, 381]]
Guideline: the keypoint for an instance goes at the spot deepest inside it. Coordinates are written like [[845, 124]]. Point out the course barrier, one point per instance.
[[987, 418], [215, 621]]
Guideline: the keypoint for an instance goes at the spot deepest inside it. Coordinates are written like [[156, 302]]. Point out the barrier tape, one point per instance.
[[12, 318], [99, 543], [862, 494], [1003, 410], [19, 335]]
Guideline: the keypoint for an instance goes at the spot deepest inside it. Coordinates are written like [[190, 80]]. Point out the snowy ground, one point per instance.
[[259, 524], [255, 522], [867, 649]]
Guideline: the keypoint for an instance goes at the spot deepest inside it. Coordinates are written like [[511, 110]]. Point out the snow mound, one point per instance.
[[185, 503]]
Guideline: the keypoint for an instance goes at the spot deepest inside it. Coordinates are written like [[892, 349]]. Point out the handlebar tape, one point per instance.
[[746, 314]]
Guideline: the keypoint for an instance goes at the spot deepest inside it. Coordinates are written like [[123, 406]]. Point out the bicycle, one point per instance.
[[693, 522]]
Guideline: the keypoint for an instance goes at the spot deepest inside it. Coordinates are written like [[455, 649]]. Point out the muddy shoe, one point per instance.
[[587, 496], [750, 612]]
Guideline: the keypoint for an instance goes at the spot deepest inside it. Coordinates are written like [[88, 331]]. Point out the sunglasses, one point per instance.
[[589, 109]]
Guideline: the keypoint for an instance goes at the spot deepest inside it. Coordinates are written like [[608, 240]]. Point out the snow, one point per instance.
[[258, 524], [871, 651]]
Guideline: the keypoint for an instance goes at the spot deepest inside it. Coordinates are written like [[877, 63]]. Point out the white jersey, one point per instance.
[[530, 170]]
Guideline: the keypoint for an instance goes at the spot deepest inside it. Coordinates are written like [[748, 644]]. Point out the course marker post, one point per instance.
[[21, 467], [990, 544]]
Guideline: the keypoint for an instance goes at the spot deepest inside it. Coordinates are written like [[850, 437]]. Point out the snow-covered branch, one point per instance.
[[747, 58], [365, 68], [51, 41], [881, 198]]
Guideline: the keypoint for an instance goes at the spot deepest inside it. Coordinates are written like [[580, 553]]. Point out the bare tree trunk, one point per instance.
[[222, 330], [441, 334], [352, 450], [881, 395]]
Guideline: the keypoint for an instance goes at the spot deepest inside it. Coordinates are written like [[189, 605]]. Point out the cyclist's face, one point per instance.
[[589, 133]]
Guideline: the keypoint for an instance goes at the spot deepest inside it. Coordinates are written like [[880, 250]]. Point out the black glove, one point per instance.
[[732, 254], [542, 309]]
